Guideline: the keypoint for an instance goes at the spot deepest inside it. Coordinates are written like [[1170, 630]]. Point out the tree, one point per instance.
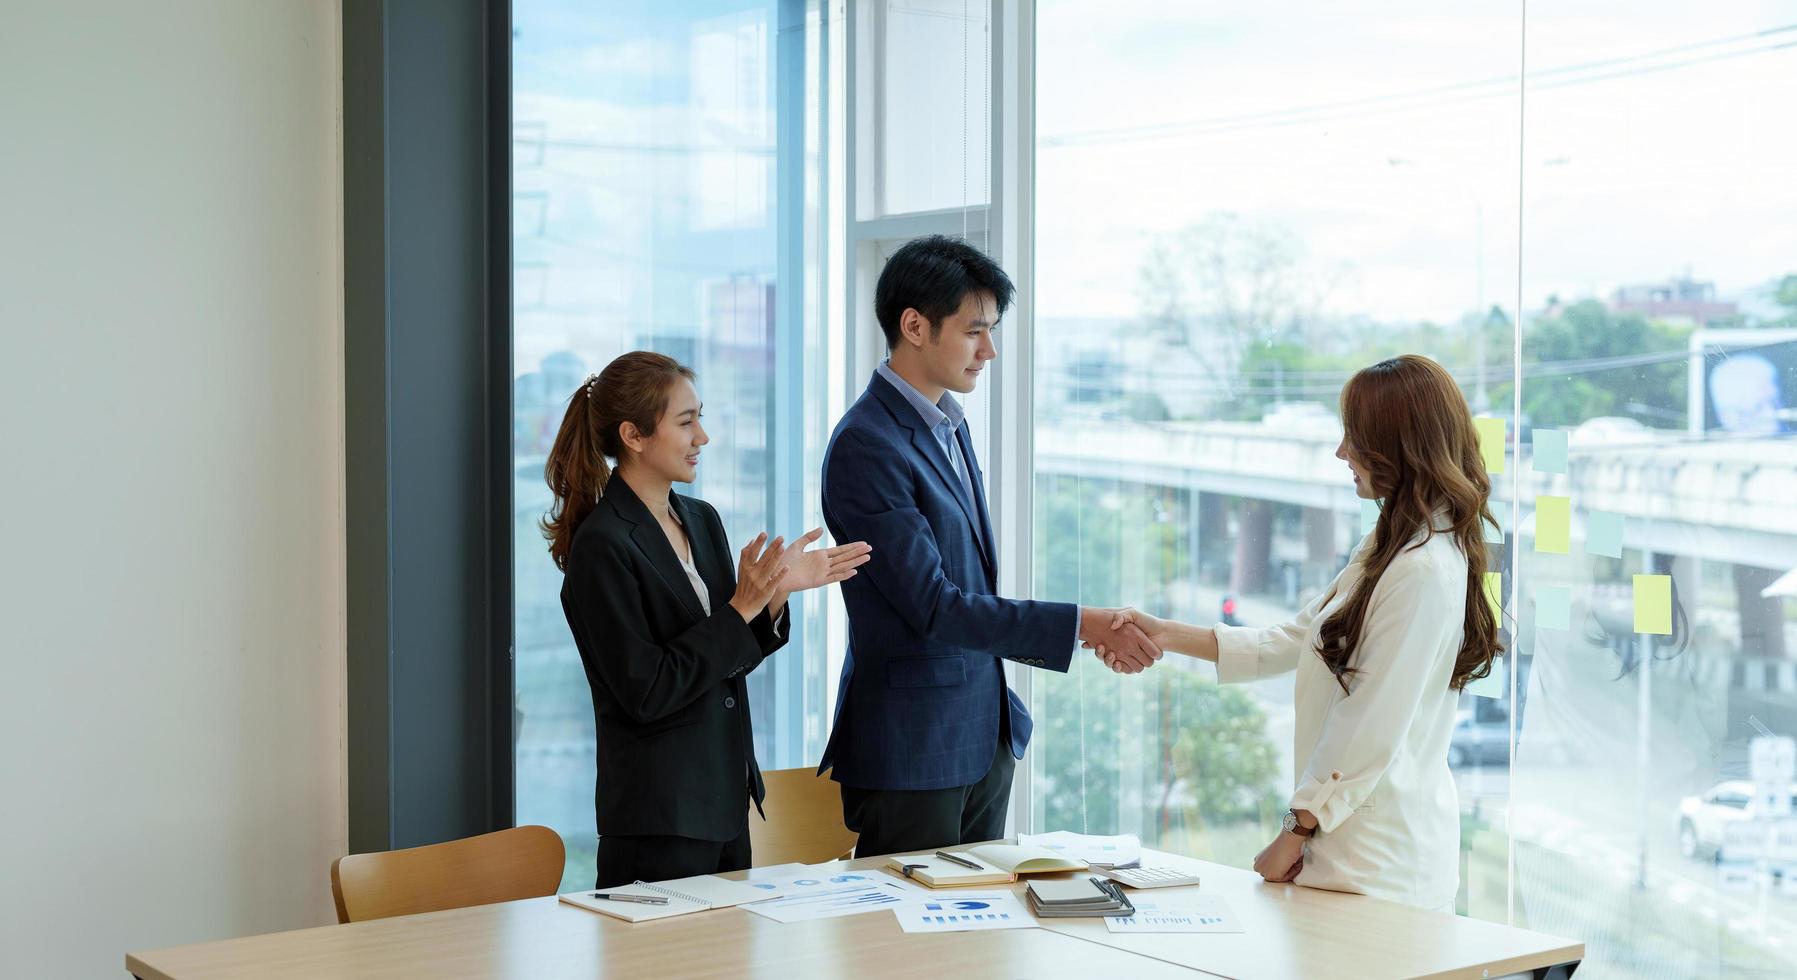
[[1241, 297], [1586, 330], [1207, 762]]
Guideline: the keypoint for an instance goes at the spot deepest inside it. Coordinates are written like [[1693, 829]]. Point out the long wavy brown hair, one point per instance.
[[1406, 424], [633, 388]]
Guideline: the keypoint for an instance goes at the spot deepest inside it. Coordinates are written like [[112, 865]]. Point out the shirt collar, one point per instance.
[[947, 410]]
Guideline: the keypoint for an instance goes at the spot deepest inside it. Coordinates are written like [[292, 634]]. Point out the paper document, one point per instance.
[[684, 895], [1187, 914], [1117, 851], [825, 898], [965, 913]]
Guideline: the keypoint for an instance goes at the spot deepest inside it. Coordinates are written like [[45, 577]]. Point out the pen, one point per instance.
[[639, 899], [963, 862]]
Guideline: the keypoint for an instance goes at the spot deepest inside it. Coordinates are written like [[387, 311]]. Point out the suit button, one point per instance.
[[729, 702]]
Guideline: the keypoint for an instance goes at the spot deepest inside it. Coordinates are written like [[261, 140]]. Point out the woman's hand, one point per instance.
[[1282, 859], [1154, 630], [1157, 629], [810, 569], [759, 572]]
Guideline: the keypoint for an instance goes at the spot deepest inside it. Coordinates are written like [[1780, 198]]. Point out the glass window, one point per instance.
[[1236, 208], [666, 196], [934, 85], [1662, 227]]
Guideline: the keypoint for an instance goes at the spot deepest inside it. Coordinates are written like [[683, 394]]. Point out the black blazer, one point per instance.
[[672, 711]]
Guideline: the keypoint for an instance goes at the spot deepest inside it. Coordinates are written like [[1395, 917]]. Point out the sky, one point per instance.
[[1152, 115]]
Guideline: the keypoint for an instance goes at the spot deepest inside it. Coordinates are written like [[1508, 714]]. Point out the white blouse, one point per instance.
[[1373, 766], [693, 577]]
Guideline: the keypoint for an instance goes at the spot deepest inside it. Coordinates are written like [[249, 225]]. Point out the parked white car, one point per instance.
[[1702, 818]]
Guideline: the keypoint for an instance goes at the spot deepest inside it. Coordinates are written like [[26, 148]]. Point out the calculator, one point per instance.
[[1145, 877]]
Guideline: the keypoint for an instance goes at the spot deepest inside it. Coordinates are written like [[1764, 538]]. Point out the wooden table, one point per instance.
[[1291, 932]]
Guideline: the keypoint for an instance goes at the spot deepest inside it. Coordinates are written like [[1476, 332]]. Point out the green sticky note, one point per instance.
[[1603, 534], [1492, 685], [1491, 442], [1653, 604], [1369, 515], [1494, 595], [1553, 524], [1550, 450], [1553, 607]]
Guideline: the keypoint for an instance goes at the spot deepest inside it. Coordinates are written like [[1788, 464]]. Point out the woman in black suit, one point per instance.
[[664, 628]]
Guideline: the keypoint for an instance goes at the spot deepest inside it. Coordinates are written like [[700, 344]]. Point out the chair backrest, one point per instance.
[[523, 862], [804, 820]]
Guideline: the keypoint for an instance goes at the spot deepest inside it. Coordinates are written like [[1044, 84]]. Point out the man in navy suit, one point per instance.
[[927, 734]]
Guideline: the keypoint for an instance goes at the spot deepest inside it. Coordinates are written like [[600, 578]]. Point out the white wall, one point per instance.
[[171, 516]]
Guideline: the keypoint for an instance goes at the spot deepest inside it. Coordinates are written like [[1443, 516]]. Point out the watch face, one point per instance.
[[1290, 822]]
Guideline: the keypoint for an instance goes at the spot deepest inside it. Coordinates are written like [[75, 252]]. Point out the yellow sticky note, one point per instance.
[[1653, 604], [1491, 442], [1494, 594], [1553, 524]]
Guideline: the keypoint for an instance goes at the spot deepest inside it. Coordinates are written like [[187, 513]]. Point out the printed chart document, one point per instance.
[[805, 897], [1184, 914], [683, 895], [1116, 851], [965, 913]]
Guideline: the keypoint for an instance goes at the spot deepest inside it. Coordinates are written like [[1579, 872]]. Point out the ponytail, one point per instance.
[[632, 388]]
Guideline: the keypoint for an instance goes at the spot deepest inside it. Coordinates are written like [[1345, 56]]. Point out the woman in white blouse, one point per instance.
[[1382, 654]]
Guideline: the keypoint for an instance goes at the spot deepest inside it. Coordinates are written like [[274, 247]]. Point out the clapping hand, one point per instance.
[[759, 572], [810, 569]]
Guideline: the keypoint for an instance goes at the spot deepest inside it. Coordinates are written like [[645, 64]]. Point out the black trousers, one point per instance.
[[899, 821], [623, 860]]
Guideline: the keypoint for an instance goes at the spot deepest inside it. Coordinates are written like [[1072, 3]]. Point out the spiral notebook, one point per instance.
[[684, 895]]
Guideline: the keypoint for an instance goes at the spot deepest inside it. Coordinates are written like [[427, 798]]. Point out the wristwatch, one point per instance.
[[1292, 826]]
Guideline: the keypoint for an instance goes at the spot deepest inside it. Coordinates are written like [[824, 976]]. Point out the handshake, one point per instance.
[[1128, 641]]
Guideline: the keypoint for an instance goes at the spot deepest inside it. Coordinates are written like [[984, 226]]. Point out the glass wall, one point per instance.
[[667, 162], [1237, 206], [1660, 219]]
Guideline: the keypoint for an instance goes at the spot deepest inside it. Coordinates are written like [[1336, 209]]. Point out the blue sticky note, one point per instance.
[[1369, 515], [1550, 450], [1492, 534], [1553, 607], [1492, 685], [1603, 534]]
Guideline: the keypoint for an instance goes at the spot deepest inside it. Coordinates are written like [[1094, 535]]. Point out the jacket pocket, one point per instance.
[[926, 672]]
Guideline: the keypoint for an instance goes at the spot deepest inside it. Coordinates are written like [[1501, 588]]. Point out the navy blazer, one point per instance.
[[922, 687]]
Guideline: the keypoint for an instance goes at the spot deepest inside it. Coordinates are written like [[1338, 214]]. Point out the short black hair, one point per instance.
[[932, 275]]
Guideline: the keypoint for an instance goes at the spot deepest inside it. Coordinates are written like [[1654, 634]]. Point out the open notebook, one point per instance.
[[997, 863], [684, 895]]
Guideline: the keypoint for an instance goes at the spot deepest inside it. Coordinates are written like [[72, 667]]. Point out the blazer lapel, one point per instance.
[[925, 443], [979, 499], [652, 541], [719, 580]]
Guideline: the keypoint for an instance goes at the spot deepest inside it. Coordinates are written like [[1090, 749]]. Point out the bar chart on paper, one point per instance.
[[964, 913]]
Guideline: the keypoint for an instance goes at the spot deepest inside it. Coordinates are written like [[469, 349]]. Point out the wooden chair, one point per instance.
[[804, 820], [523, 862]]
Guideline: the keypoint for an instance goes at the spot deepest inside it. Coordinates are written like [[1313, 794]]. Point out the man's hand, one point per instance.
[[1126, 650]]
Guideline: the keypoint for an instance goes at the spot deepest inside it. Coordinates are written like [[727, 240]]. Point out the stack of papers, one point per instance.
[[827, 892], [1080, 896], [1118, 851], [678, 897]]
